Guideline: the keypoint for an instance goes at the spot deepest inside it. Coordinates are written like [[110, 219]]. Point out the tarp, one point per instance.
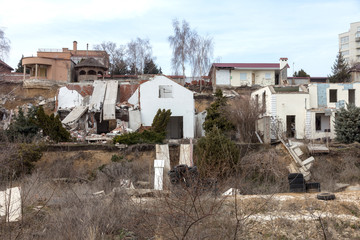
[[75, 114], [98, 95], [110, 100]]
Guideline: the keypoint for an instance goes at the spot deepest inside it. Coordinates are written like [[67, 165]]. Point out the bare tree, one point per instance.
[[137, 52], [181, 45], [116, 54], [201, 49], [4, 45]]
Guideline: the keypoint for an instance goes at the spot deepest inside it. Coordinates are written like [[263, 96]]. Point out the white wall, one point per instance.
[[223, 77], [68, 99], [293, 104], [181, 103]]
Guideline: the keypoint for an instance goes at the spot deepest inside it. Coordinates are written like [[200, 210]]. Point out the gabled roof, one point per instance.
[[248, 65], [6, 66]]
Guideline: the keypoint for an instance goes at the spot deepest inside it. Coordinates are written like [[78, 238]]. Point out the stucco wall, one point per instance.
[[293, 104], [181, 103], [259, 78], [223, 77], [320, 96]]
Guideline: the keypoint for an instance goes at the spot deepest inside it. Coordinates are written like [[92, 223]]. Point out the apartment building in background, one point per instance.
[[349, 43]]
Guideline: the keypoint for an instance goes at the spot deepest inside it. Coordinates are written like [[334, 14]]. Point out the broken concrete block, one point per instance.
[[231, 192], [10, 204], [298, 151], [308, 160], [159, 174], [162, 152], [185, 154]]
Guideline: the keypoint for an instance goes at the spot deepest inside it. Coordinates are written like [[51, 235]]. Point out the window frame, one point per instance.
[[269, 75], [166, 91], [332, 97], [242, 76]]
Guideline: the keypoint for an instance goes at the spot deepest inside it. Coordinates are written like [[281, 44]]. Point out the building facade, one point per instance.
[[248, 74], [57, 65], [302, 112], [349, 43], [164, 93]]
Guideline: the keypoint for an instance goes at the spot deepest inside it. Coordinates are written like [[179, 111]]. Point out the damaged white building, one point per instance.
[[103, 106], [304, 112]]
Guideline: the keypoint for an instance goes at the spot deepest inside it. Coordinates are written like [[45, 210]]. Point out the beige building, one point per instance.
[[349, 43], [249, 74], [57, 65]]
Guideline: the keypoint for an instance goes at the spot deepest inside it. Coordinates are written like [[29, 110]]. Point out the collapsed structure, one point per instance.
[[105, 106]]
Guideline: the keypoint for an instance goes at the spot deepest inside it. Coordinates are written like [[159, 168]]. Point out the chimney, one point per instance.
[[75, 45], [283, 62]]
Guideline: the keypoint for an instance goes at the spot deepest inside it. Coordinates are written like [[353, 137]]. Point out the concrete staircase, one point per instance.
[[297, 165]]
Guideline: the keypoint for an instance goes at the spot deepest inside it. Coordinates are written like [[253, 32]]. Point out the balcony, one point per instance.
[[357, 39]]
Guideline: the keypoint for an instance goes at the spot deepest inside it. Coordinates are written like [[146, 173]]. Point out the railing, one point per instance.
[[49, 50]]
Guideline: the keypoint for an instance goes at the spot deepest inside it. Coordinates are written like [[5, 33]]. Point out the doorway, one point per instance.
[[290, 126], [175, 128]]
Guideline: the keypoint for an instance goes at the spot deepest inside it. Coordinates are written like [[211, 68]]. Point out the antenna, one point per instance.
[[293, 68]]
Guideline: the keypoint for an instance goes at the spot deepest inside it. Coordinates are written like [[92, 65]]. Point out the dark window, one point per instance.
[[91, 72], [82, 72], [351, 96], [318, 121], [333, 95]]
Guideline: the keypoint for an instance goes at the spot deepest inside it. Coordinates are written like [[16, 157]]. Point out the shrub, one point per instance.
[[147, 136], [25, 128], [347, 124], [116, 158], [215, 115], [156, 134], [216, 154]]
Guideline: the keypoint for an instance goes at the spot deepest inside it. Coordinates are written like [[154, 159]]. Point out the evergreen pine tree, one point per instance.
[[20, 67], [215, 115], [301, 73], [340, 70], [150, 67], [347, 124]]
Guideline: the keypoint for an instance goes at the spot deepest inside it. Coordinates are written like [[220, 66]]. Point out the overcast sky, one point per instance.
[[257, 31]]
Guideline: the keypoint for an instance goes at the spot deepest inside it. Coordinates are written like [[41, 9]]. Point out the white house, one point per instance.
[[325, 100], [307, 112], [247, 74], [164, 93], [286, 106]]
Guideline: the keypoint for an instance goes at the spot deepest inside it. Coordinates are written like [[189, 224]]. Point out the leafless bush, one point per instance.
[[261, 173], [243, 113], [343, 167]]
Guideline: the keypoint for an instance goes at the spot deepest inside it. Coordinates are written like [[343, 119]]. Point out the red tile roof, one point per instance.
[[247, 65], [6, 66]]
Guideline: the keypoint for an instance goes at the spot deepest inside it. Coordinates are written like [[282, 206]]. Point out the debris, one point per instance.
[[231, 192], [162, 152], [185, 154], [99, 194], [159, 172], [341, 186]]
